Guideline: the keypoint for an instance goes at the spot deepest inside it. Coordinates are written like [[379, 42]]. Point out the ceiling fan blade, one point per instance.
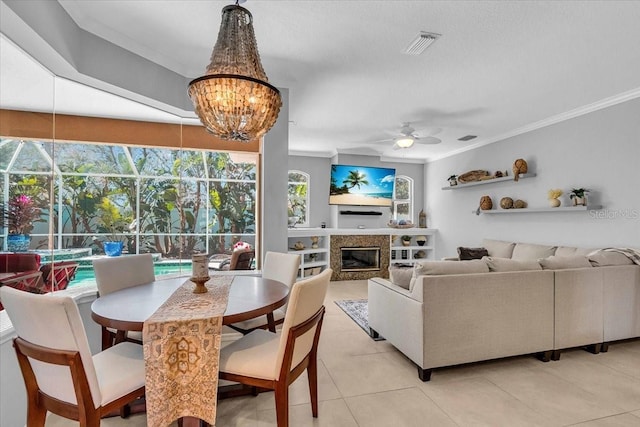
[[380, 141], [428, 140], [435, 131], [396, 146]]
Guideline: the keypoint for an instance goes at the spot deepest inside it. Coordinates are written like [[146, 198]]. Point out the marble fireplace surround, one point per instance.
[[339, 241]]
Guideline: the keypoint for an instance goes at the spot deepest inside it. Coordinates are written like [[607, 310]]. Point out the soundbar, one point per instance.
[[360, 213]]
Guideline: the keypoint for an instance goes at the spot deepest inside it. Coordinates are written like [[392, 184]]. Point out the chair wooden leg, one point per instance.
[[36, 414], [282, 404], [312, 374]]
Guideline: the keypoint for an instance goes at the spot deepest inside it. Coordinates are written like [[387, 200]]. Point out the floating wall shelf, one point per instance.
[[540, 210], [487, 181]]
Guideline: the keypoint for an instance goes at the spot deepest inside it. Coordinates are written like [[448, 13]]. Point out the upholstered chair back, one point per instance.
[[52, 321], [281, 267], [305, 299], [115, 273]]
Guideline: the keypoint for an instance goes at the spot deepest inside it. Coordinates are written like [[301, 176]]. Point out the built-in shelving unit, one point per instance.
[[401, 254], [312, 260], [541, 210], [460, 186]]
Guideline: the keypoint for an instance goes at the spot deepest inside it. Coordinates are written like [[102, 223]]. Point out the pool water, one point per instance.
[[86, 276]]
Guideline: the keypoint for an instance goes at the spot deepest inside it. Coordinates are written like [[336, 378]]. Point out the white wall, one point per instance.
[[599, 151]]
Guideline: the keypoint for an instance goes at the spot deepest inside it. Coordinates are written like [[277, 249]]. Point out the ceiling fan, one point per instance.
[[408, 137]]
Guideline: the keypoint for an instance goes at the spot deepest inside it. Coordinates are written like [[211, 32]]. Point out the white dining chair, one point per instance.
[[116, 273], [60, 374], [283, 268], [274, 361]]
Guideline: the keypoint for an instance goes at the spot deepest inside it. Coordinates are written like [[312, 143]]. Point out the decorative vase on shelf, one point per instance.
[[554, 203], [18, 242], [421, 240]]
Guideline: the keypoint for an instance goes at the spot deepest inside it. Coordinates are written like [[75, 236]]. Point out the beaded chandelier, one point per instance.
[[234, 100]]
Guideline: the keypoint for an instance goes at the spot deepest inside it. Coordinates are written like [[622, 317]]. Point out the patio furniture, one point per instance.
[[57, 275], [238, 260]]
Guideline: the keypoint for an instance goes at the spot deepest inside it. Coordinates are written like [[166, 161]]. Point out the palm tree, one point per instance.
[[355, 179]]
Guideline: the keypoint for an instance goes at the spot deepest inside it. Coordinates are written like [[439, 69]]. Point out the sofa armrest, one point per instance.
[[395, 315]]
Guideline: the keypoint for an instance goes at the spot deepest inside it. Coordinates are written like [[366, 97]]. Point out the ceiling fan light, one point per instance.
[[404, 142], [233, 99]]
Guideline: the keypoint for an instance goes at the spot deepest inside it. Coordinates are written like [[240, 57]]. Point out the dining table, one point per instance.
[[128, 309]]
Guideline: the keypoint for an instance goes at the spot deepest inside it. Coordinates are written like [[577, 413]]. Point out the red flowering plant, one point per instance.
[[19, 214]]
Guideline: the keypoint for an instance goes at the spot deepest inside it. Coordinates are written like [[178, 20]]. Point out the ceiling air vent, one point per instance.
[[467, 138], [421, 43]]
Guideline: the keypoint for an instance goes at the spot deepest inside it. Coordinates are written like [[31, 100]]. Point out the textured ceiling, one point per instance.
[[498, 67]]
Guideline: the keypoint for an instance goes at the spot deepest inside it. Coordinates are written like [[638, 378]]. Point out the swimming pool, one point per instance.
[[85, 275]]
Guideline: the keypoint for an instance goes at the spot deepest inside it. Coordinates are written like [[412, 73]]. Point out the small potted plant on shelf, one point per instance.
[[579, 196], [453, 180], [406, 240]]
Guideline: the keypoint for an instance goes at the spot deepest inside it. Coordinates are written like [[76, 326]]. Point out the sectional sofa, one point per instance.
[[520, 299]]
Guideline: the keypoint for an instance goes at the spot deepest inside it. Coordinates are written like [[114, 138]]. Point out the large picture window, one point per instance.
[[169, 202]]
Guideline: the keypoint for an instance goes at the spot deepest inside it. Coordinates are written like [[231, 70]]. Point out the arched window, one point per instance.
[[298, 200], [403, 198]]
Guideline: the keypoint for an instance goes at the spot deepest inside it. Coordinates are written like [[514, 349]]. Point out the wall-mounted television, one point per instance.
[[361, 185]]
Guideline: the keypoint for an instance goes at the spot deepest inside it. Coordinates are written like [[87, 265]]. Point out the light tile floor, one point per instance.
[[369, 384]]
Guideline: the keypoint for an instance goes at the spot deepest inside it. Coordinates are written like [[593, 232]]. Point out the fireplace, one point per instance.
[[360, 259]]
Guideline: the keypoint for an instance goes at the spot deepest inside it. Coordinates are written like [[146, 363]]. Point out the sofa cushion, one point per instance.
[[528, 251], [440, 268], [563, 262], [571, 251], [566, 251], [600, 258], [401, 276], [506, 264], [498, 248]]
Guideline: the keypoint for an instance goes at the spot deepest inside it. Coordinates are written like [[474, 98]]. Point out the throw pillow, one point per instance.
[[528, 251], [498, 248], [566, 251], [506, 264], [400, 276], [465, 254], [440, 268], [602, 258], [563, 262]]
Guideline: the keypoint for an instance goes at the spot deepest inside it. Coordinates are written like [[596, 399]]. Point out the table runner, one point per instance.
[[182, 351]]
